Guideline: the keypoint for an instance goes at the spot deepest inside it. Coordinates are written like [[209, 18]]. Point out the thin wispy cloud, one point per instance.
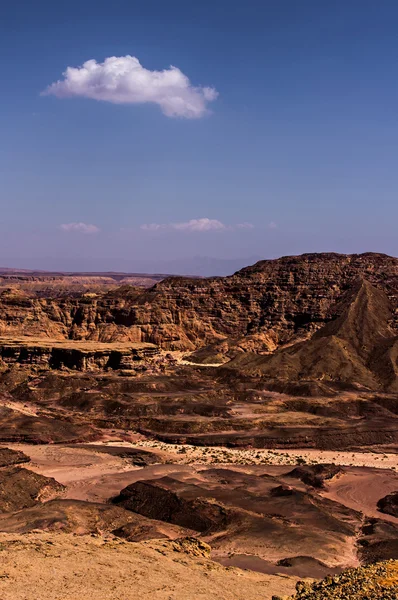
[[272, 225], [245, 226], [123, 80], [86, 228], [195, 225]]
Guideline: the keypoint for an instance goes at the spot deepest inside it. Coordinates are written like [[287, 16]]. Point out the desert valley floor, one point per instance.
[[226, 436]]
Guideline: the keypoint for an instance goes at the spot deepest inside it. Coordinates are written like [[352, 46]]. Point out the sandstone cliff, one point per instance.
[[259, 308]]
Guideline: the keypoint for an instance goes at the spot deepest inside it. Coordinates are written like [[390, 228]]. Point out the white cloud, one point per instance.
[[153, 227], [123, 80], [272, 225], [86, 228], [245, 226], [200, 225], [204, 224]]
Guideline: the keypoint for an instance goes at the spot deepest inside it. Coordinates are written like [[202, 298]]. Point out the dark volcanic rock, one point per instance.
[[389, 504], [282, 490], [239, 513], [162, 499], [10, 457], [316, 475], [20, 488], [378, 541]]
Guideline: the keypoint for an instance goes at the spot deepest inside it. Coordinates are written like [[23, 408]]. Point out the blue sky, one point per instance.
[[300, 146]]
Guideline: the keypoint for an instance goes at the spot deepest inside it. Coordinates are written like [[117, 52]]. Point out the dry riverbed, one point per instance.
[[186, 454]]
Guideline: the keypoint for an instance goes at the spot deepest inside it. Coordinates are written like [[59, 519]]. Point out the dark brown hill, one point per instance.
[[21, 488], [389, 504]]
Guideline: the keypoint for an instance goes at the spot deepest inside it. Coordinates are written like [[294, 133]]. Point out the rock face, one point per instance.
[[316, 475], [20, 488], [389, 504], [161, 499], [358, 347], [260, 307], [81, 356], [9, 457]]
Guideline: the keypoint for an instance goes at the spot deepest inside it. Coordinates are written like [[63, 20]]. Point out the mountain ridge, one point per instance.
[[348, 349], [260, 308]]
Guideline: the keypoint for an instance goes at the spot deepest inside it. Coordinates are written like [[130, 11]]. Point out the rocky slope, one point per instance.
[[192, 405], [69, 354], [375, 582], [358, 347], [69, 567], [21, 488]]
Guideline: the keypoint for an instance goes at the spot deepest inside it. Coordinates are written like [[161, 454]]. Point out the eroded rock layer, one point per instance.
[[265, 304]]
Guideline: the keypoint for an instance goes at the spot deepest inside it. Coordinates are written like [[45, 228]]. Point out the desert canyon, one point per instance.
[[174, 438]]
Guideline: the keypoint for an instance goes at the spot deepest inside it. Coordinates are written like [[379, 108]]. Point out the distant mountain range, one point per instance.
[[200, 266]]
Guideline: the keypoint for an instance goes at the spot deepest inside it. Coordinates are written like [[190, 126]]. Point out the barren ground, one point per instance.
[[67, 567]]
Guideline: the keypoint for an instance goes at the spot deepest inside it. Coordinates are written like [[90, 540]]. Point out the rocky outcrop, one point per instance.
[[70, 516], [21, 488], [166, 500], [359, 347], [81, 356], [374, 582], [10, 457], [316, 475], [259, 308], [238, 513], [389, 504], [17, 426], [378, 541]]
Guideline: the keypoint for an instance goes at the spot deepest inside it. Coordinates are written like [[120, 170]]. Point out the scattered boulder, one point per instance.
[[389, 504], [191, 546], [373, 582], [316, 475]]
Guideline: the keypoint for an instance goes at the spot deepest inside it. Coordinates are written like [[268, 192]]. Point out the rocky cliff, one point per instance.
[[358, 347], [69, 354], [259, 308]]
